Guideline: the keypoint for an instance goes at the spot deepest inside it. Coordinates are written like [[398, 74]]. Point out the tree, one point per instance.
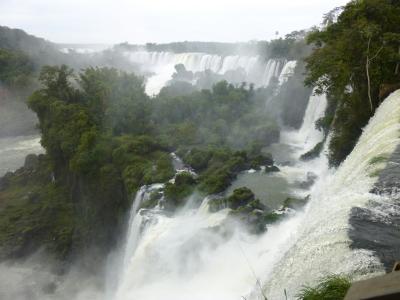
[[352, 58]]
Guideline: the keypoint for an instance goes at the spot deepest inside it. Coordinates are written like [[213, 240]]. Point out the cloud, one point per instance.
[[139, 21]]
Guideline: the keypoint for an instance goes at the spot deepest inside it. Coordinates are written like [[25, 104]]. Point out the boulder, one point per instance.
[[272, 169]]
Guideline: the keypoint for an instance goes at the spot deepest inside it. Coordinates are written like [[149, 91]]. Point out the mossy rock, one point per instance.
[[295, 203], [216, 181], [313, 153], [153, 200], [240, 197], [271, 217], [261, 160], [272, 169], [175, 193]]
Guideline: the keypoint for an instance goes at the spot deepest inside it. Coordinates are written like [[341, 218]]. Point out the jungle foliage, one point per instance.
[[356, 61]]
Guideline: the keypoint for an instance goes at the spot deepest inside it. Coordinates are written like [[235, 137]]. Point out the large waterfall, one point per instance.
[[308, 135], [257, 70], [186, 256], [321, 244]]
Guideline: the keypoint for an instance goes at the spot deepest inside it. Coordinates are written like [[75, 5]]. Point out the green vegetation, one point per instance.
[[356, 60], [247, 209], [294, 202], [223, 116], [16, 69], [34, 212], [378, 159], [292, 46], [240, 197], [97, 161], [314, 152], [218, 167], [332, 287], [104, 138], [153, 200], [175, 193]]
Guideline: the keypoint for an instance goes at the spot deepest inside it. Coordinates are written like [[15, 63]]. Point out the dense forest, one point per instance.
[[108, 131], [356, 62]]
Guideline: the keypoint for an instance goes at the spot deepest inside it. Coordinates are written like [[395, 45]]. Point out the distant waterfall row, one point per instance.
[[258, 70]]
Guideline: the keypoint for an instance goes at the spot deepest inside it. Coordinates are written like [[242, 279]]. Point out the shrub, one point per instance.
[[175, 193], [333, 287], [313, 153]]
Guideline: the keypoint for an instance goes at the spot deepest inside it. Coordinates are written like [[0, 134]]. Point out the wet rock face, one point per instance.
[[377, 227], [271, 169]]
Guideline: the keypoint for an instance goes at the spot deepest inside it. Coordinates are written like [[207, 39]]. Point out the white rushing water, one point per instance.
[[287, 71], [162, 64], [185, 256], [308, 135], [322, 243]]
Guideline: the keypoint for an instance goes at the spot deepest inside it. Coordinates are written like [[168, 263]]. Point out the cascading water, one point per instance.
[[308, 135], [162, 64], [320, 244], [287, 71], [189, 256], [136, 219], [186, 256]]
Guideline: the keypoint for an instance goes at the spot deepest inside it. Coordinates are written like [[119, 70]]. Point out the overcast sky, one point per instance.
[[140, 21]]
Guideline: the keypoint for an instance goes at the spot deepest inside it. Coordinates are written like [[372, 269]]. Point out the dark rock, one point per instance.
[[261, 160], [313, 153], [294, 203], [271, 169], [240, 197], [386, 89]]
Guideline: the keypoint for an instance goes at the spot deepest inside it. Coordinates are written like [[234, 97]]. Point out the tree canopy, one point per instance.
[[354, 57]]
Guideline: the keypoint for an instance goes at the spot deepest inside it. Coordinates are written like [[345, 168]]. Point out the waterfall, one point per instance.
[[308, 135], [320, 244], [162, 64], [135, 219], [171, 251], [287, 71], [188, 255]]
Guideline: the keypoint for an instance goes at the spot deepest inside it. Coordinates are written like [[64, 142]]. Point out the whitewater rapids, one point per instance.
[[186, 257], [322, 242]]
